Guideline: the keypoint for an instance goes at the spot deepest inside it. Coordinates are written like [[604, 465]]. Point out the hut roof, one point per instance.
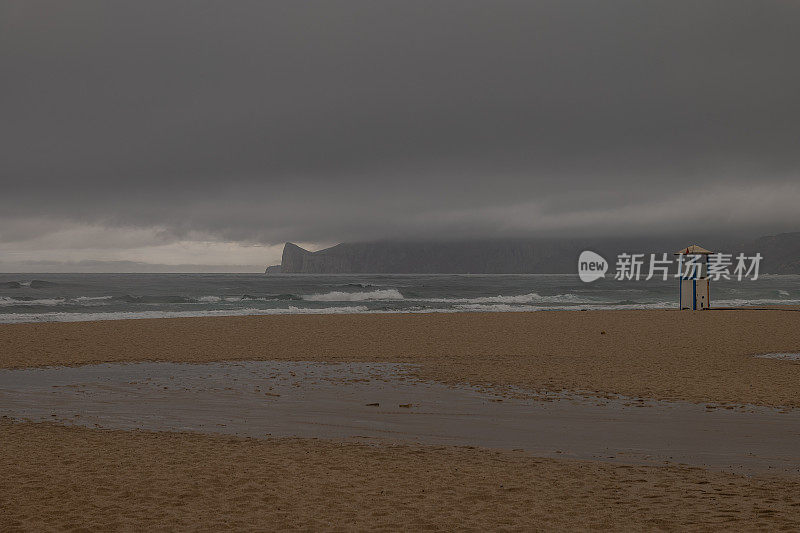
[[694, 249]]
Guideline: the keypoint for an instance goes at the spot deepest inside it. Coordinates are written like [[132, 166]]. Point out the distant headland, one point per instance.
[[508, 256]]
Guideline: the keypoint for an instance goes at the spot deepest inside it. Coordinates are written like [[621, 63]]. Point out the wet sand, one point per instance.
[[56, 477], [379, 401], [659, 354]]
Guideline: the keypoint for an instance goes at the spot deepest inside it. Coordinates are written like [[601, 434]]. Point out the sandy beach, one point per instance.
[[659, 354], [67, 477], [70, 478]]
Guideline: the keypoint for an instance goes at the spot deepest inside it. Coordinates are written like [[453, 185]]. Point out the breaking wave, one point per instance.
[[530, 298], [32, 284], [15, 318], [266, 298], [6, 301], [506, 308], [107, 297], [740, 302], [394, 295], [339, 296]]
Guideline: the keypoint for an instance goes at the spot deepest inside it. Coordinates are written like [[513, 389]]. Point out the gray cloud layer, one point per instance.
[[322, 121]]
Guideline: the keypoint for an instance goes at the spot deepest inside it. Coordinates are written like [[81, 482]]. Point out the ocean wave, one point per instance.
[[39, 284], [356, 309], [266, 298], [339, 296], [497, 308], [33, 284], [529, 298], [632, 305], [534, 298], [16, 318], [739, 302], [509, 308], [6, 301], [166, 299], [394, 295], [521, 302]]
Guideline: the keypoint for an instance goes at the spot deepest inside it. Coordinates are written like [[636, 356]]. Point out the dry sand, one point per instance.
[[694, 356], [54, 477]]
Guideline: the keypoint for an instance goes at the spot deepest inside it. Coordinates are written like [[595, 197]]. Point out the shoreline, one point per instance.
[[701, 357], [116, 316]]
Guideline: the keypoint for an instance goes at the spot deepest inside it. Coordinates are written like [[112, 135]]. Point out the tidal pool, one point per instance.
[[376, 401]]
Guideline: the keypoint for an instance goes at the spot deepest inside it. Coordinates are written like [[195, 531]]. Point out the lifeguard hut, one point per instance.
[[694, 290]]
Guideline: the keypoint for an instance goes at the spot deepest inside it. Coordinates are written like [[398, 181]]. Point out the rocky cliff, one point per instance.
[[544, 256], [465, 257]]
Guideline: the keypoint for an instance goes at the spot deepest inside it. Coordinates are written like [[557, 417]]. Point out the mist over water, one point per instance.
[[79, 297]]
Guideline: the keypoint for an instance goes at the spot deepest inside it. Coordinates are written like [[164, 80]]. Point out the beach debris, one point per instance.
[[376, 404], [406, 405], [602, 332]]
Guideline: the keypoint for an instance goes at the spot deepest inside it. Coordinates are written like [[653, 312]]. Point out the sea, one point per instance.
[[82, 297]]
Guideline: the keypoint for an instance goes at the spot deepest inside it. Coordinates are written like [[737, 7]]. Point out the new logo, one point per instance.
[[591, 266]]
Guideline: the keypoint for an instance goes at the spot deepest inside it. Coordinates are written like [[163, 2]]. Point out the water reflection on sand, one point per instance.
[[382, 401]]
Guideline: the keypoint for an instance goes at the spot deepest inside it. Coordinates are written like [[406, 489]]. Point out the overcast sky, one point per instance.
[[208, 133]]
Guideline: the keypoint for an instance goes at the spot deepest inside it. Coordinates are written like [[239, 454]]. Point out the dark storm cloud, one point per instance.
[[327, 121]]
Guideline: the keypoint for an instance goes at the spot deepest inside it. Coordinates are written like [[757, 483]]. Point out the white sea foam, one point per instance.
[[505, 308], [740, 302], [15, 318], [530, 298], [649, 305], [359, 309], [339, 296], [394, 295], [209, 299], [497, 308], [6, 301]]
